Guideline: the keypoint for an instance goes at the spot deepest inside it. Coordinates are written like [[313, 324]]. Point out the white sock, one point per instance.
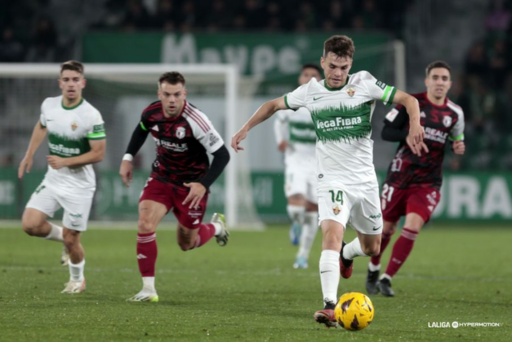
[[385, 275], [218, 227], [296, 213], [353, 249], [308, 234], [55, 233], [148, 283], [373, 267], [76, 271], [330, 275]]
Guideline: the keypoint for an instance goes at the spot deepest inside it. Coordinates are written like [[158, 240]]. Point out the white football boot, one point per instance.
[[145, 295], [74, 287], [223, 236]]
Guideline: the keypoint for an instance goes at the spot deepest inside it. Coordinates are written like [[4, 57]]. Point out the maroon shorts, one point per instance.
[[172, 196], [400, 202]]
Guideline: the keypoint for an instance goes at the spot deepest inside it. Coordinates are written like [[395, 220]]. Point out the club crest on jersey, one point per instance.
[[336, 209], [74, 126], [351, 92], [180, 132], [447, 121]]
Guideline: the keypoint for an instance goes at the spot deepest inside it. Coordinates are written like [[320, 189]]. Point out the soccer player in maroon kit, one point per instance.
[[180, 177], [413, 182]]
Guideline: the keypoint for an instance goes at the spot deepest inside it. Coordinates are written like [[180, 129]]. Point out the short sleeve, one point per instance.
[[378, 89], [97, 130], [204, 132], [42, 117], [296, 98], [457, 132]]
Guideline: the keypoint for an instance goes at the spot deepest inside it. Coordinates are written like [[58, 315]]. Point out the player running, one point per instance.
[[180, 178], [296, 137], [413, 182], [76, 138], [348, 193]]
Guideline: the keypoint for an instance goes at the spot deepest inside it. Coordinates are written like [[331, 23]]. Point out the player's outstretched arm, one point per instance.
[[37, 138], [137, 140], [263, 113], [416, 132]]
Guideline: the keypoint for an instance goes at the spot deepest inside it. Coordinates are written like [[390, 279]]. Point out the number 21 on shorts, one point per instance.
[[336, 196]]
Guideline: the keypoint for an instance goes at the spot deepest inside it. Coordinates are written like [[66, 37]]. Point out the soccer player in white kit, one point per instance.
[[76, 139], [341, 106], [296, 137]]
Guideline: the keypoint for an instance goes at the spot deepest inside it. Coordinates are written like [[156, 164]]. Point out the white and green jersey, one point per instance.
[[69, 132], [297, 128], [342, 119]]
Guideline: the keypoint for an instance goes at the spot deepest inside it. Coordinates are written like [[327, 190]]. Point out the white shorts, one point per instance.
[[77, 204], [355, 205], [301, 179]]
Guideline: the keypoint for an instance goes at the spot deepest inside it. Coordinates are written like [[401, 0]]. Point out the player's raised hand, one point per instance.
[[56, 162], [26, 164], [126, 172], [459, 147], [237, 139], [196, 194]]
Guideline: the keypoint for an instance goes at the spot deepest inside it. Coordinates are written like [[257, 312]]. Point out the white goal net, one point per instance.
[[121, 92]]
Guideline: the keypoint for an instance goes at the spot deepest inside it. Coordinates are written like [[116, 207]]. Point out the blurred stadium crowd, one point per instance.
[[31, 31]]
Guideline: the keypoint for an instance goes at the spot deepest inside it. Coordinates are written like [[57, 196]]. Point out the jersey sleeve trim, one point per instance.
[[389, 94], [391, 97], [459, 137], [142, 126], [286, 102], [42, 126], [96, 136], [198, 119]]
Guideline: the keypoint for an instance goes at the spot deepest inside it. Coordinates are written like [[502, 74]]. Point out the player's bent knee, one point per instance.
[[371, 250], [31, 226], [146, 226], [185, 245]]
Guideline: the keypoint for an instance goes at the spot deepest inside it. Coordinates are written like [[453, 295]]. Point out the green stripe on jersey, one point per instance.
[[142, 126], [72, 107], [459, 137], [286, 102], [343, 123], [64, 147], [302, 132], [391, 97], [96, 135]]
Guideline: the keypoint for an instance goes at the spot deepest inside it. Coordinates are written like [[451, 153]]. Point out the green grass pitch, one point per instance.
[[248, 290]]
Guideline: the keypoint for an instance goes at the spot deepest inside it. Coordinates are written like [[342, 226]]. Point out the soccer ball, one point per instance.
[[354, 311]]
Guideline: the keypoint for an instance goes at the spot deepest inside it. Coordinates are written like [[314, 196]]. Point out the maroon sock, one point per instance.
[[386, 237], [146, 253], [401, 250], [205, 233]]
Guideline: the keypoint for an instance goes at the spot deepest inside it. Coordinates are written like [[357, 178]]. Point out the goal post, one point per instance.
[[117, 86]]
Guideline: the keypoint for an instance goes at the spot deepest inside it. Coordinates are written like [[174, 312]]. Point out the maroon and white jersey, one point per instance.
[[182, 143], [441, 123]]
